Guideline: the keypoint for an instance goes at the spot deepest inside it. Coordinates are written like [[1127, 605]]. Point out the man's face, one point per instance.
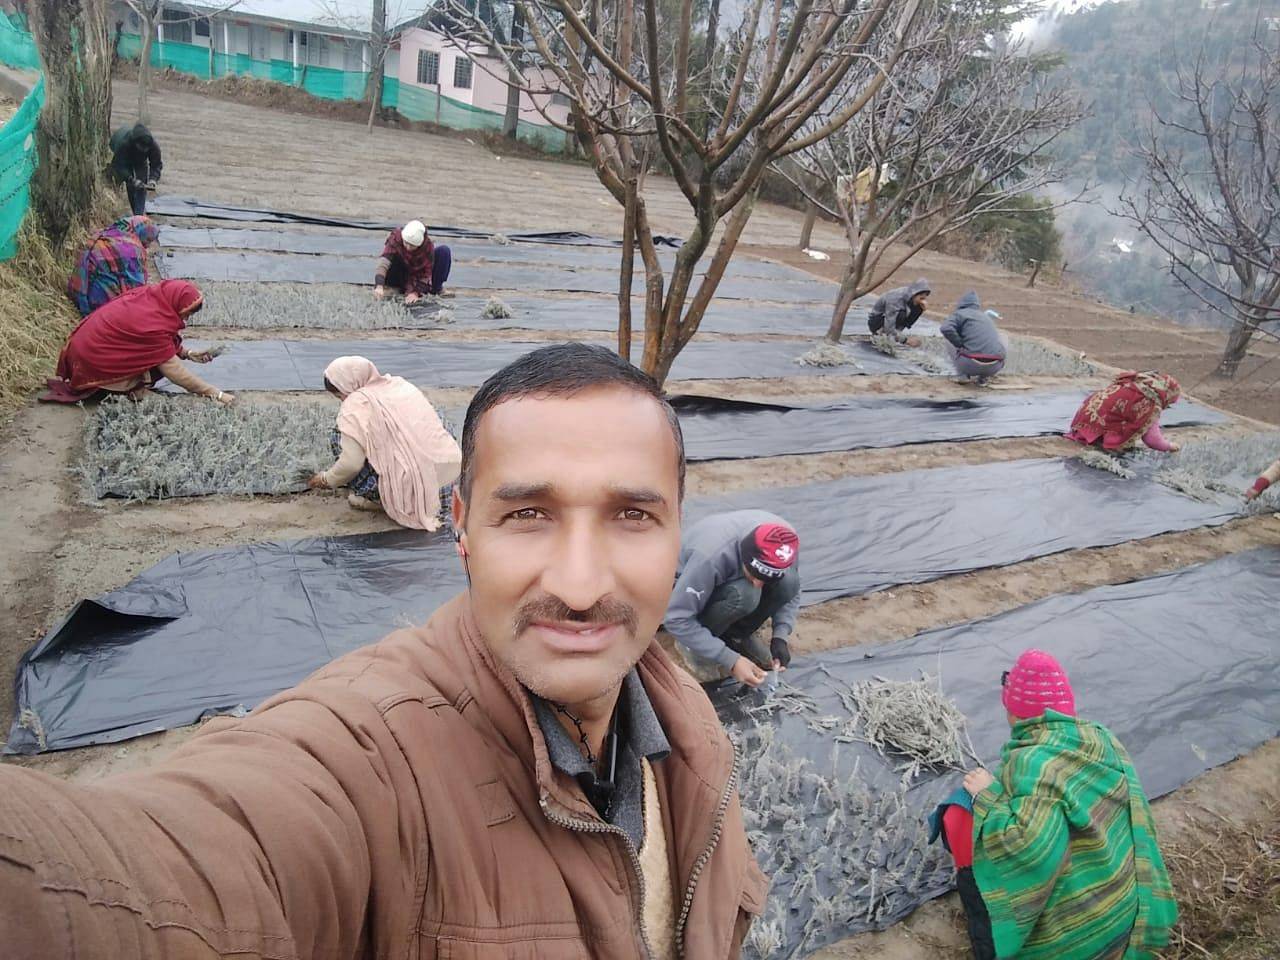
[[922, 300], [571, 536]]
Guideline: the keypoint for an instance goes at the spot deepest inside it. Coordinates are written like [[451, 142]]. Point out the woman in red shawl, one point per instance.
[[130, 343], [412, 264], [1127, 409]]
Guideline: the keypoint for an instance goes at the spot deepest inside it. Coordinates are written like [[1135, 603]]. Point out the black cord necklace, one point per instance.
[[582, 734]]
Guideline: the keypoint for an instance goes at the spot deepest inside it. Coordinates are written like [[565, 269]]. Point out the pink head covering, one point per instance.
[[1037, 683], [402, 436]]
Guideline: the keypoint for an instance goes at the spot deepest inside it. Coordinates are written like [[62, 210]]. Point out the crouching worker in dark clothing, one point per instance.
[[412, 264], [736, 571], [978, 348], [897, 311], [136, 162]]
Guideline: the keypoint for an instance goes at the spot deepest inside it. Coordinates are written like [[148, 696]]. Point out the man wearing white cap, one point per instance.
[[412, 264]]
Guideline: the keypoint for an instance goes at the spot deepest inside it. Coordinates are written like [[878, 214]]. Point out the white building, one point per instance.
[[322, 33]]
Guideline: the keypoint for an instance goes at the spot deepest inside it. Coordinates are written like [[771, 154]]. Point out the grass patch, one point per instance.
[[166, 447], [35, 313], [1228, 886]]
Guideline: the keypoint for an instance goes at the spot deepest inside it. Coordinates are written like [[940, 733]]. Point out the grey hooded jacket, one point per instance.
[[972, 330], [894, 312], [710, 556]]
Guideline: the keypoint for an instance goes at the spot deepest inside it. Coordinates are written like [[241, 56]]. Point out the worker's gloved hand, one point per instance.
[[151, 184], [200, 356], [317, 482], [747, 672], [910, 341], [226, 399], [379, 292], [781, 653], [1251, 494], [411, 298]]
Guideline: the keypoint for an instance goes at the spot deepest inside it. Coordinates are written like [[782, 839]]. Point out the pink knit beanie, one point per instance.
[[1037, 683]]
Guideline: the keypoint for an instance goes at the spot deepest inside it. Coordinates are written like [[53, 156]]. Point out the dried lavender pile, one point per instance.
[[1219, 467], [827, 355], [320, 306], [1028, 358], [184, 447], [910, 722], [843, 856]]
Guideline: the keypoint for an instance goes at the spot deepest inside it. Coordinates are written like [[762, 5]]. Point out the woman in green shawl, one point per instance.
[[1065, 864]]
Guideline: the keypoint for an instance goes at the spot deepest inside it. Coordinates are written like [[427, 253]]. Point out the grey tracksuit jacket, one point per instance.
[[709, 557], [972, 330], [894, 312]]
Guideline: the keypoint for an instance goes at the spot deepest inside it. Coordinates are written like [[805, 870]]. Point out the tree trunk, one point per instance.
[[144, 72], [806, 232], [844, 300], [511, 121], [1237, 346], [378, 58], [1035, 272], [628, 272], [71, 132]]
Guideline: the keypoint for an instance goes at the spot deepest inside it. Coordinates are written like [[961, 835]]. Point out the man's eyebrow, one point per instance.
[[639, 495], [521, 491]]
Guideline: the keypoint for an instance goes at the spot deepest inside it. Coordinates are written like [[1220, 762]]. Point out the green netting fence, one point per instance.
[[326, 83], [17, 137]]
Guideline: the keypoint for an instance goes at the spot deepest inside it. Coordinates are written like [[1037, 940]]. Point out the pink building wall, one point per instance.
[[487, 91]]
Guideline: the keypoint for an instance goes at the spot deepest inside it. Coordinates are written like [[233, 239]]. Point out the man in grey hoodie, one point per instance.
[[736, 570], [896, 311], [978, 348]]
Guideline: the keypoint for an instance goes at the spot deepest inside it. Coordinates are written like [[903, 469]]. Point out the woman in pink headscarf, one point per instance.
[[393, 451]]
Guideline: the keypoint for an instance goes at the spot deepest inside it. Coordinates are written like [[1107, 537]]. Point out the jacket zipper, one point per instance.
[[589, 826], [703, 857]]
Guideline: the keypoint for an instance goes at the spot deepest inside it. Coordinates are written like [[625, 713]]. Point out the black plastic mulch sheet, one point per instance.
[[598, 313], [259, 267], [721, 429], [299, 364], [238, 624], [1211, 628], [171, 206], [464, 251]]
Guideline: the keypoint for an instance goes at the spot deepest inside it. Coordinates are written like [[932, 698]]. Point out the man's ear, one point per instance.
[[458, 516]]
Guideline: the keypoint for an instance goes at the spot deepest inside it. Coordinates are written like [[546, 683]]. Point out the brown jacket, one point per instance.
[[400, 803]]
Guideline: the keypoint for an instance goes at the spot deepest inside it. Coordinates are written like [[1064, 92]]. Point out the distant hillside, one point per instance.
[[1122, 57]]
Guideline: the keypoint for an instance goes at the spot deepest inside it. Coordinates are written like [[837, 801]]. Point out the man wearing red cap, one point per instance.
[[736, 571], [1056, 854]]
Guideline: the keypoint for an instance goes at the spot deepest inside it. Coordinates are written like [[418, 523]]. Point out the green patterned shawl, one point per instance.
[[1065, 850]]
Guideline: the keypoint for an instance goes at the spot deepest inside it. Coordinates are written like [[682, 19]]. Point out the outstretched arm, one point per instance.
[[244, 843]]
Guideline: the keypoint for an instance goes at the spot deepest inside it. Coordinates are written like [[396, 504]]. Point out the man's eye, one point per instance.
[[636, 515], [527, 513]]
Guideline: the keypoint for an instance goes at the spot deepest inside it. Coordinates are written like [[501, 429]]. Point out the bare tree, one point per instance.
[[1210, 194], [150, 14], [960, 131], [75, 44], [638, 92]]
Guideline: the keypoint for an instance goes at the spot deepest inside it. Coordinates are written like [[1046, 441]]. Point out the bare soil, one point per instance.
[[60, 548]]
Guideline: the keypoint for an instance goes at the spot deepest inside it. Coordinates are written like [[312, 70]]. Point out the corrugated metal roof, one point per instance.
[[345, 15]]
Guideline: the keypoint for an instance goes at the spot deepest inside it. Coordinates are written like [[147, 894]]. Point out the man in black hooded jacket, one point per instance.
[[136, 162]]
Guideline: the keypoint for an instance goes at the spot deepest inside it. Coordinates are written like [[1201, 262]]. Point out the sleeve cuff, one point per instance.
[[1261, 484], [988, 798], [727, 658]]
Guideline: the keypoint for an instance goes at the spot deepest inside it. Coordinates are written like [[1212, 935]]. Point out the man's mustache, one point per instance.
[[554, 610]]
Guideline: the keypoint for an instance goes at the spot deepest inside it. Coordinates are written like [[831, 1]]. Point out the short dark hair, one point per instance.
[[561, 370]]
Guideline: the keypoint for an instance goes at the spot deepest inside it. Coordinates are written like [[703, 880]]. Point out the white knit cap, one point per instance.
[[413, 233]]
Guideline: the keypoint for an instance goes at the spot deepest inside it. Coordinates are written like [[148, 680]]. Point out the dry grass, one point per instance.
[[1228, 886], [35, 313]]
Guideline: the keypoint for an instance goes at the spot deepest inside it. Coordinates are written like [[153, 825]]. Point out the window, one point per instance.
[[177, 26], [462, 73], [202, 27], [428, 67]]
